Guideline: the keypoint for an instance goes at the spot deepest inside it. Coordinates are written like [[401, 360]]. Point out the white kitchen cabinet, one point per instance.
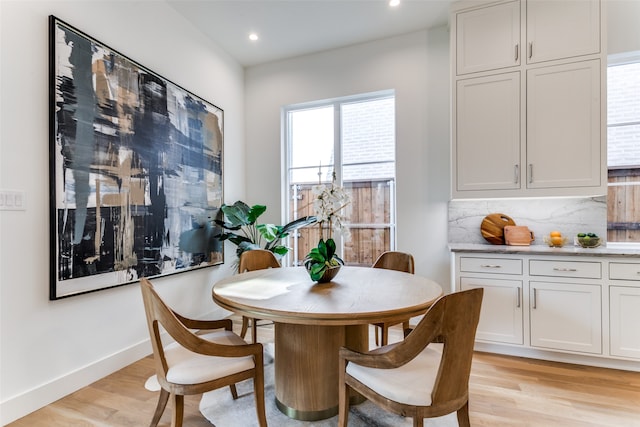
[[501, 314], [566, 316], [488, 38], [563, 126], [624, 321], [530, 127], [624, 306], [563, 147], [562, 29], [487, 138], [577, 308]]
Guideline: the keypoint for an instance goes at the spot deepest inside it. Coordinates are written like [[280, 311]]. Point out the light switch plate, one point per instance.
[[12, 200]]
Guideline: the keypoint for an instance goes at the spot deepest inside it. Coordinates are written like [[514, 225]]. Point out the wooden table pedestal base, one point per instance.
[[306, 367]]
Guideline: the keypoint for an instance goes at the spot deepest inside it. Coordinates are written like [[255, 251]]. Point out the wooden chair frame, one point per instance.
[[255, 259], [393, 260], [180, 329], [452, 320]]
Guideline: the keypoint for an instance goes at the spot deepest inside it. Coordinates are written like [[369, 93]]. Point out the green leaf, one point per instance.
[[255, 212], [316, 256], [228, 225], [331, 248], [317, 271], [322, 248], [269, 232], [280, 250], [239, 222], [236, 239], [236, 215], [298, 223]]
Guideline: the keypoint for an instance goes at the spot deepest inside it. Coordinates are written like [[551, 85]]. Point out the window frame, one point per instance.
[[286, 149], [613, 61]]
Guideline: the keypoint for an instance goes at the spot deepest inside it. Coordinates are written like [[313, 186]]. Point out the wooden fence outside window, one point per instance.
[[369, 216], [623, 205]]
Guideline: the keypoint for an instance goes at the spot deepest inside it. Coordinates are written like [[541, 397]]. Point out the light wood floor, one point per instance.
[[504, 391]]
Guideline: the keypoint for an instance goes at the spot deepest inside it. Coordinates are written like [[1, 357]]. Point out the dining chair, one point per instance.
[[197, 362], [255, 259], [427, 374], [393, 260]]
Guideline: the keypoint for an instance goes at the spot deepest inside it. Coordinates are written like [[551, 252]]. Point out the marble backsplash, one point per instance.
[[569, 215]]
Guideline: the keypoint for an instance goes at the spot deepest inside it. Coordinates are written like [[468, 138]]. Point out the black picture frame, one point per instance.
[[136, 169]]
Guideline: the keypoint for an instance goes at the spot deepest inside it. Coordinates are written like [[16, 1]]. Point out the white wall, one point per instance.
[[416, 66], [51, 348], [623, 26]]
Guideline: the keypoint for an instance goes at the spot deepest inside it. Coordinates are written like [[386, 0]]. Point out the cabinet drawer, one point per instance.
[[490, 265], [624, 271], [584, 269]]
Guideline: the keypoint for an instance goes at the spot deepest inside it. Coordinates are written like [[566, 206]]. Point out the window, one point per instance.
[[623, 147], [355, 137]]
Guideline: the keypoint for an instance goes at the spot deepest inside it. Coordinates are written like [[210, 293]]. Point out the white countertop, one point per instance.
[[603, 251]]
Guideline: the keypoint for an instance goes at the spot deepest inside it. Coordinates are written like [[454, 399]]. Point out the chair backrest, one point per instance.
[[257, 259], [452, 320], [158, 313], [393, 260]]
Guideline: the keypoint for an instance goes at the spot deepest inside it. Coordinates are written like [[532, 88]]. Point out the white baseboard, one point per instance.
[[559, 356], [18, 406]]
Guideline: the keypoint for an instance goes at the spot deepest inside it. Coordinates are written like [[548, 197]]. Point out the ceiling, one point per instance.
[[289, 28]]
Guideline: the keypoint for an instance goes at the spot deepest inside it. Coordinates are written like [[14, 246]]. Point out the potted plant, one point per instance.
[[322, 262], [240, 222]]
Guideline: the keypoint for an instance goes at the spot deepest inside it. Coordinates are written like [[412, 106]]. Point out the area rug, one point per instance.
[[222, 411]]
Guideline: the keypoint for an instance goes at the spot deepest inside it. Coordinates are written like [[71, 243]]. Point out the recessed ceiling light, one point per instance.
[[253, 37], [394, 3]]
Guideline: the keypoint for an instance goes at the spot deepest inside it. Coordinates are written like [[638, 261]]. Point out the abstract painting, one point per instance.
[[135, 170]]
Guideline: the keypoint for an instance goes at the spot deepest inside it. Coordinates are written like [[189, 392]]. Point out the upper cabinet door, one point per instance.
[[488, 38], [562, 29], [563, 126], [487, 136]]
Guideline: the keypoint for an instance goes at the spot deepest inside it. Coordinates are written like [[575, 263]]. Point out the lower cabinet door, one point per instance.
[[501, 314], [625, 321], [566, 316]]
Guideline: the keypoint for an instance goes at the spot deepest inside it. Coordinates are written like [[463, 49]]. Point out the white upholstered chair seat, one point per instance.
[[187, 367], [410, 384]]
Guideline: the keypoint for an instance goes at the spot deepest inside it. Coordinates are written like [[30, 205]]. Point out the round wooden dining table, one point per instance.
[[313, 320]]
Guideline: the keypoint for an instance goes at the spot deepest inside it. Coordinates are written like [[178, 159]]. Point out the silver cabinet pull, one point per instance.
[[530, 173], [516, 173], [517, 51], [534, 302], [530, 50], [490, 266], [564, 269], [518, 297]]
